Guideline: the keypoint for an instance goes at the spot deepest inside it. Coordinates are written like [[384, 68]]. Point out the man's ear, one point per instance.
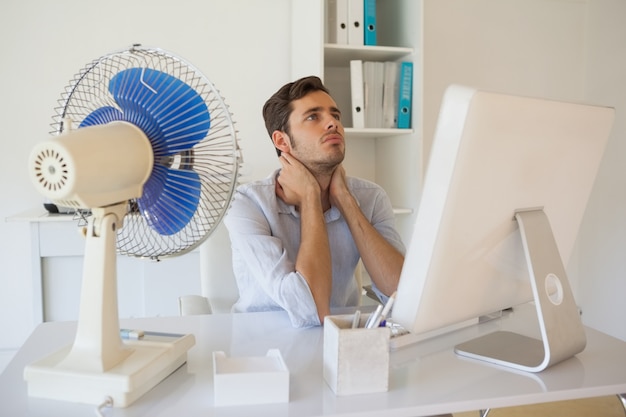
[[281, 141]]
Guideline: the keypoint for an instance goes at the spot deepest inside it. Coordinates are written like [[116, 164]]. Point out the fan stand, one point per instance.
[[99, 364]]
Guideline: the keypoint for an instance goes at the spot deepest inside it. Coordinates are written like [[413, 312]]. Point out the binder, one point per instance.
[[356, 94], [405, 95], [369, 22], [337, 22], [373, 73], [355, 22], [390, 94]]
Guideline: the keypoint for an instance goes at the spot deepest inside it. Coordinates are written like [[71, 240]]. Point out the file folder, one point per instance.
[[373, 75], [390, 94], [355, 22], [337, 22], [356, 93], [369, 22], [405, 95]]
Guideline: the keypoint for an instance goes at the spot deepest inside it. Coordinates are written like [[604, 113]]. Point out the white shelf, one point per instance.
[[375, 133], [402, 210], [339, 55]]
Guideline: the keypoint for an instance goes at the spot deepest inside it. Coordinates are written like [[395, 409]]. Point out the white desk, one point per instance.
[[425, 379], [145, 287]]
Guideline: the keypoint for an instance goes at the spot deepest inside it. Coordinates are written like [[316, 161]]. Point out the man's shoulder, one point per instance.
[[357, 183], [253, 186], [257, 194]]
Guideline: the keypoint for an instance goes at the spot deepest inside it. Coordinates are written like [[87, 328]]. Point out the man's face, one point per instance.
[[317, 134]]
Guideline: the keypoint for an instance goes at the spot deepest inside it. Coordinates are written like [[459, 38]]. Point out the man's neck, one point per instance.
[[324, 182]]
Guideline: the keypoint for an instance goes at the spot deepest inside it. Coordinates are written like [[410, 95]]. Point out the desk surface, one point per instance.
[[425, 379], [40, 215]]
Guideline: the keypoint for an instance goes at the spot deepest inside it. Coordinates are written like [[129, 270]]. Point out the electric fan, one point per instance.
[[154, 157]]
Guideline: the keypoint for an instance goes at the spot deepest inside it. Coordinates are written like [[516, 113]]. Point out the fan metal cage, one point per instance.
[[216, 158]]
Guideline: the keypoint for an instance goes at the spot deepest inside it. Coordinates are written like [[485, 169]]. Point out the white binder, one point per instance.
[[337, 22], [356, 93], [355, 22]]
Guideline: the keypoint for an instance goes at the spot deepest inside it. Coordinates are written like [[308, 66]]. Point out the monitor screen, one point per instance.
[[492, 156]]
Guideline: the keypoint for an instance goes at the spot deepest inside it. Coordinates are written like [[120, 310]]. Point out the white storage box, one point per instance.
[[250, 380], [356, 361]]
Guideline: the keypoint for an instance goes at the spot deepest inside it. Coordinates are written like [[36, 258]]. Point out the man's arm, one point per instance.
[[264, 242], [381, 259], [297, 186]]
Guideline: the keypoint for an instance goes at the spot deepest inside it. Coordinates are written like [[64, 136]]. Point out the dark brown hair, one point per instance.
[[278, 108]]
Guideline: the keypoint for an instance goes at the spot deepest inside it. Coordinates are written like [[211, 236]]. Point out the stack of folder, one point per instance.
[[381, 94], [351, 22]]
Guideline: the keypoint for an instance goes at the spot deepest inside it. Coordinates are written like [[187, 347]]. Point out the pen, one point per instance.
[[385, 311], [131, 334], [356, 319], [374, 318], [388, 306]]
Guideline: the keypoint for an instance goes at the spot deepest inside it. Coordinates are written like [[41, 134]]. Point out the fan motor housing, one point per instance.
[[93, 166]]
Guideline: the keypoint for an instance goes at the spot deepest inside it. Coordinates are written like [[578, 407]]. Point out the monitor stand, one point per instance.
[[562, 332]]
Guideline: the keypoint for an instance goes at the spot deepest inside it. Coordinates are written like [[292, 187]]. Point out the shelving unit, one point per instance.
[[340, 55], [389, 157], [371, 133]]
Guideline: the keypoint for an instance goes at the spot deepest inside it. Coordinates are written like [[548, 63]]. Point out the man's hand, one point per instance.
[[295, 183], [338, 187]]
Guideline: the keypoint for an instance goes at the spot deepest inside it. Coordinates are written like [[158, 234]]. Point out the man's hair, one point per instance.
[[278, 107]]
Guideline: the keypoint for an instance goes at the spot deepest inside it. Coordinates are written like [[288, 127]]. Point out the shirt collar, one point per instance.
[[283, 208]]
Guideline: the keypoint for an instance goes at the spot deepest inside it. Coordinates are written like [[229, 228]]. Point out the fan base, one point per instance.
[[151, 361]]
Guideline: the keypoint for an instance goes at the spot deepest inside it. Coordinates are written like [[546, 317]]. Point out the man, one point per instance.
[[298, 235]]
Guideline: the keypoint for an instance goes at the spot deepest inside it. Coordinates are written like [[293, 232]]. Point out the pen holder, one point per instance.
[[356, 361]]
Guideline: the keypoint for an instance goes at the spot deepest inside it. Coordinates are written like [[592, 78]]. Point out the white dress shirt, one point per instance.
[[265, 237]]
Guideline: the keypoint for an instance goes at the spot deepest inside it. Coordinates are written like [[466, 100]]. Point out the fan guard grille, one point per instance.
[[216, 158]]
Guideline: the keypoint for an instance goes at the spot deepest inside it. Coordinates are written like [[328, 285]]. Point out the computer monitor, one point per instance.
[[505, 191]]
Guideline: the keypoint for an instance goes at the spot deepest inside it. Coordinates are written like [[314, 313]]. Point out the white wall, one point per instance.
[[242, 46], [526, 47], [569, 50], [602, 264], [44, 43]]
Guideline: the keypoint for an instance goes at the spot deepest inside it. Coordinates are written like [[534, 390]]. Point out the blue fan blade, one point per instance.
[[170, 199], [102, 116], [174, 118], [171, 113]]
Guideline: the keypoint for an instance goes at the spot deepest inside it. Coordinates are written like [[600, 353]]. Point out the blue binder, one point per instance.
[[369, 22], [405, 95]]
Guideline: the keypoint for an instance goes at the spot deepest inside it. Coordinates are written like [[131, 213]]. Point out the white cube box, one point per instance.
[[250, 380], [356, 361]]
